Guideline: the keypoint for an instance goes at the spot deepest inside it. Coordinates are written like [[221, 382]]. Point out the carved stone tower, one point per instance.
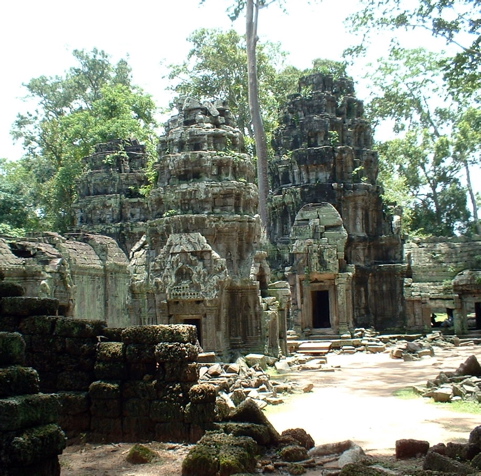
[[329, 232], [198, 261]]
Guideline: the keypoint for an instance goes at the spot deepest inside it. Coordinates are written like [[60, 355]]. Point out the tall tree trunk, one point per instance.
[[472, 197], [252, 14]]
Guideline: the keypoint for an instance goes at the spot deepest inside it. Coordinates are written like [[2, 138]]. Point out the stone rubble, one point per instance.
[[462, 384], [251, 377]]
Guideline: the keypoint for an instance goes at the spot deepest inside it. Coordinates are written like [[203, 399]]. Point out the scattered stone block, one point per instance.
[[410, 448]]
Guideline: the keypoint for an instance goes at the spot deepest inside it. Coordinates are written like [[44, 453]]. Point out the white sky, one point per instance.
[[38, 36]]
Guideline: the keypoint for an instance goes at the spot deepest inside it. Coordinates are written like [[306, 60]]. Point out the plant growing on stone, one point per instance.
[[93, 102]]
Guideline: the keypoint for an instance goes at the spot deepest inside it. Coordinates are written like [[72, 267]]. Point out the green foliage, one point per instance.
[[94, 102], [456, 21], [216, 67], [420, 169]]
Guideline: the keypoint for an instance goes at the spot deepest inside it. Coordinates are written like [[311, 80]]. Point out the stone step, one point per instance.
[[317, 348]]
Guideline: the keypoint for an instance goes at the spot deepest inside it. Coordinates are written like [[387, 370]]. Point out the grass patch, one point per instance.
[[462, 406], [406, 393]]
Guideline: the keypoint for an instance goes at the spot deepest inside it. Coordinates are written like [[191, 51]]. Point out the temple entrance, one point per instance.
[[477, 312], [320, 309], [198, 324]]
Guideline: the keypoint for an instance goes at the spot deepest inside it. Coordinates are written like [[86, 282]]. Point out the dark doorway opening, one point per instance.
[[197, 323], [320, 309], [477, 311]]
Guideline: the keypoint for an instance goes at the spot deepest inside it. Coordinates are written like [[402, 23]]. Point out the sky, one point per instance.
[[37, 38]]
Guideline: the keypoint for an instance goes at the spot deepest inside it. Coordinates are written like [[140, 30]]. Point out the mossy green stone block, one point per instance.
[[140, 353], [18, 380], [160, 333], [28, 306], [74, 403], [12, 348], [11, 290], [40, 325], [110, 370], [105, 390], [166, 411], [179, 352], [110, 352], [26, 411], [33, 444], [72, 327]]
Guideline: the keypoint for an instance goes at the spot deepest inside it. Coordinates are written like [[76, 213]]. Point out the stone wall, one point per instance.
[[114, 384], [87, 273], [436, 280], [30, 437]]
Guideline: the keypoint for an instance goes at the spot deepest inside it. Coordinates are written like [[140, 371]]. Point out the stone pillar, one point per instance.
[[460, 317], [344, 302]]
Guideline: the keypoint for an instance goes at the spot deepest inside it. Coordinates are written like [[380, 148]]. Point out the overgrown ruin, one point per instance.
[[192, 251]]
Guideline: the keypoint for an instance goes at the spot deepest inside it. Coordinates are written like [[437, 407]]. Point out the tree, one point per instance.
[[456, 21], [17, 214], [423, 156], [216, 67], [94, 102]]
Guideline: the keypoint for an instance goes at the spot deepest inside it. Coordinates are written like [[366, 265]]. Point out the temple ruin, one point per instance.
[[192, 250]]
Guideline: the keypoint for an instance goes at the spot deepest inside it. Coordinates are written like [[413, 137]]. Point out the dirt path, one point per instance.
[[356, 402]]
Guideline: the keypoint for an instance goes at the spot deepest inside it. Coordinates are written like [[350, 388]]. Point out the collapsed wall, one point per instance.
[[112, 384], [443, 276], [30, 436], [87, 273]]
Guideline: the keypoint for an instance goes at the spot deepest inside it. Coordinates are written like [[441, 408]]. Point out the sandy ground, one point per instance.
[[354, 402]]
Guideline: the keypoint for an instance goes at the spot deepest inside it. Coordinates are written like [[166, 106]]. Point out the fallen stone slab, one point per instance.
[[437, 462], [411, 448]]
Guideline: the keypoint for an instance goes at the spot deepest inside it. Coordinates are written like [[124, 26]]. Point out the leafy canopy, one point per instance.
[[93, 102]]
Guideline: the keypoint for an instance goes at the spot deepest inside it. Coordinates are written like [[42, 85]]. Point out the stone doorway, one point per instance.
[[477, 313], [197, 322], [321, 318]]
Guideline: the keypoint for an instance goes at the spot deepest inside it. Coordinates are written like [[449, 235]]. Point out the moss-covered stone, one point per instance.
[[34, 444], [40, 325], [28, 306], [169, 352], [203, 393], [259, 433], [74, 403], [161, 411], [110, 351], [140, 353], [160, 333], [296, 469], [73, 327], [293, 453], [221, 454], [110, 370], [180, 371], [301, 436], [10, 289], [17, 380], [140, 454], [26, 411], [12, 348], [249, 412], [74, 381], [105, 390], [202, 414], [201, 461]]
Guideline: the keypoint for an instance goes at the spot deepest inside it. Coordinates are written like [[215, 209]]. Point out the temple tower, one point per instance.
[[329, 230]]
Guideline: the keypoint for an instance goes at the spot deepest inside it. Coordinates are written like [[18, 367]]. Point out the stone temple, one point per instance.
[[192, 250]]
